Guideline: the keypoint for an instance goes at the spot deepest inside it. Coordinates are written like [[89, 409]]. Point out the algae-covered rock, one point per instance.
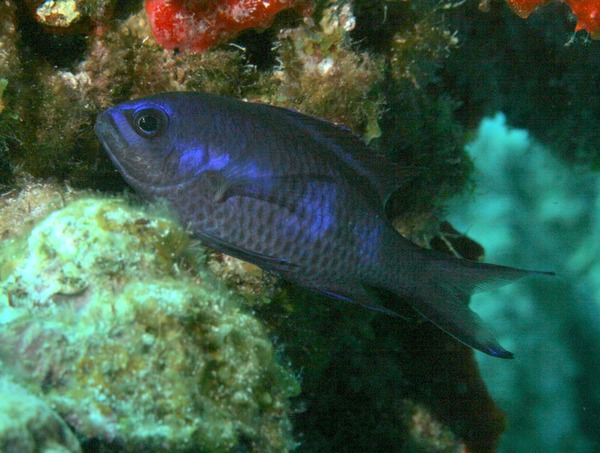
[[320, 74], [29, 425], [100, 320]]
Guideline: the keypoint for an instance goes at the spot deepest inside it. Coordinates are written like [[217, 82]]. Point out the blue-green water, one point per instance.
[[530, 210]]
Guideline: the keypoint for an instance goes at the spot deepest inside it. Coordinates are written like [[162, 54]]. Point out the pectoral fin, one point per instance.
[[286, 190], [266, 261]]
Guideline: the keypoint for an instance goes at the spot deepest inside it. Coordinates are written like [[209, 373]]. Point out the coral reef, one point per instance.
[[427, 433], [100, 321], [418, 126], [29, 425], [319, 74], [312, 67], [50, 105], [127, 333]]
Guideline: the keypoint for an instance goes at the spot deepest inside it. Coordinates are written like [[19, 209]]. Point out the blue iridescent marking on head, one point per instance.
[[218, 161], [198, 159], [192, 159]]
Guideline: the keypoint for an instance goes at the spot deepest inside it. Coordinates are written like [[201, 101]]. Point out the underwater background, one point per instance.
[[119, 332]]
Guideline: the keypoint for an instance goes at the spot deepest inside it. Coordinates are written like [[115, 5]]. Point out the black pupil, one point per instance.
[[148, 123]]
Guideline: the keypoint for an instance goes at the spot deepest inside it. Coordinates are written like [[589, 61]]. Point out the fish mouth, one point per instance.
[[107, 132], [112, 140]]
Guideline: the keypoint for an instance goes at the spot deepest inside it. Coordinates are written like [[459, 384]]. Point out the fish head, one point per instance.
[[162, 141]]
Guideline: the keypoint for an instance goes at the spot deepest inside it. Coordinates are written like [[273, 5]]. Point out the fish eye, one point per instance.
[[150, 121]]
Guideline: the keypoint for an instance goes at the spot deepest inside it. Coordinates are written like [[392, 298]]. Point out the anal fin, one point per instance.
[[361, 294], [452, 314]]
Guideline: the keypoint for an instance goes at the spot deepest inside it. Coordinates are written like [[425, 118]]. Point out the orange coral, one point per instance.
[[586, 11], [197, 25], [588, 16]]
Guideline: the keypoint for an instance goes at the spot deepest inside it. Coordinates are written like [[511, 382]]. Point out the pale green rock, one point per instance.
[[101, 321], [28, 425]]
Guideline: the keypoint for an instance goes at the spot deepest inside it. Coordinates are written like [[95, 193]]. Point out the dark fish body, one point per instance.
[[295, 195]]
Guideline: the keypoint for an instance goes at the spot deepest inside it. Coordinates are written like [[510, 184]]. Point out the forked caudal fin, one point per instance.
[[443, 300]]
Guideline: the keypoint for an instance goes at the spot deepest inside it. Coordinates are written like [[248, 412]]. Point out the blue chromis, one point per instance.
[[295, 195]]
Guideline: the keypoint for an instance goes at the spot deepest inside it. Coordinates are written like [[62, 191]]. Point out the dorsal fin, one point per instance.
[[385, 176]]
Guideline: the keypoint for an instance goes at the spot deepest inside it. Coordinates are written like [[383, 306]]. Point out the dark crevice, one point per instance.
[[62, 51], [377, 22]]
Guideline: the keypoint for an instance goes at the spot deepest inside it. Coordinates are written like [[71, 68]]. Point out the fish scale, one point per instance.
[[295, 195]]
